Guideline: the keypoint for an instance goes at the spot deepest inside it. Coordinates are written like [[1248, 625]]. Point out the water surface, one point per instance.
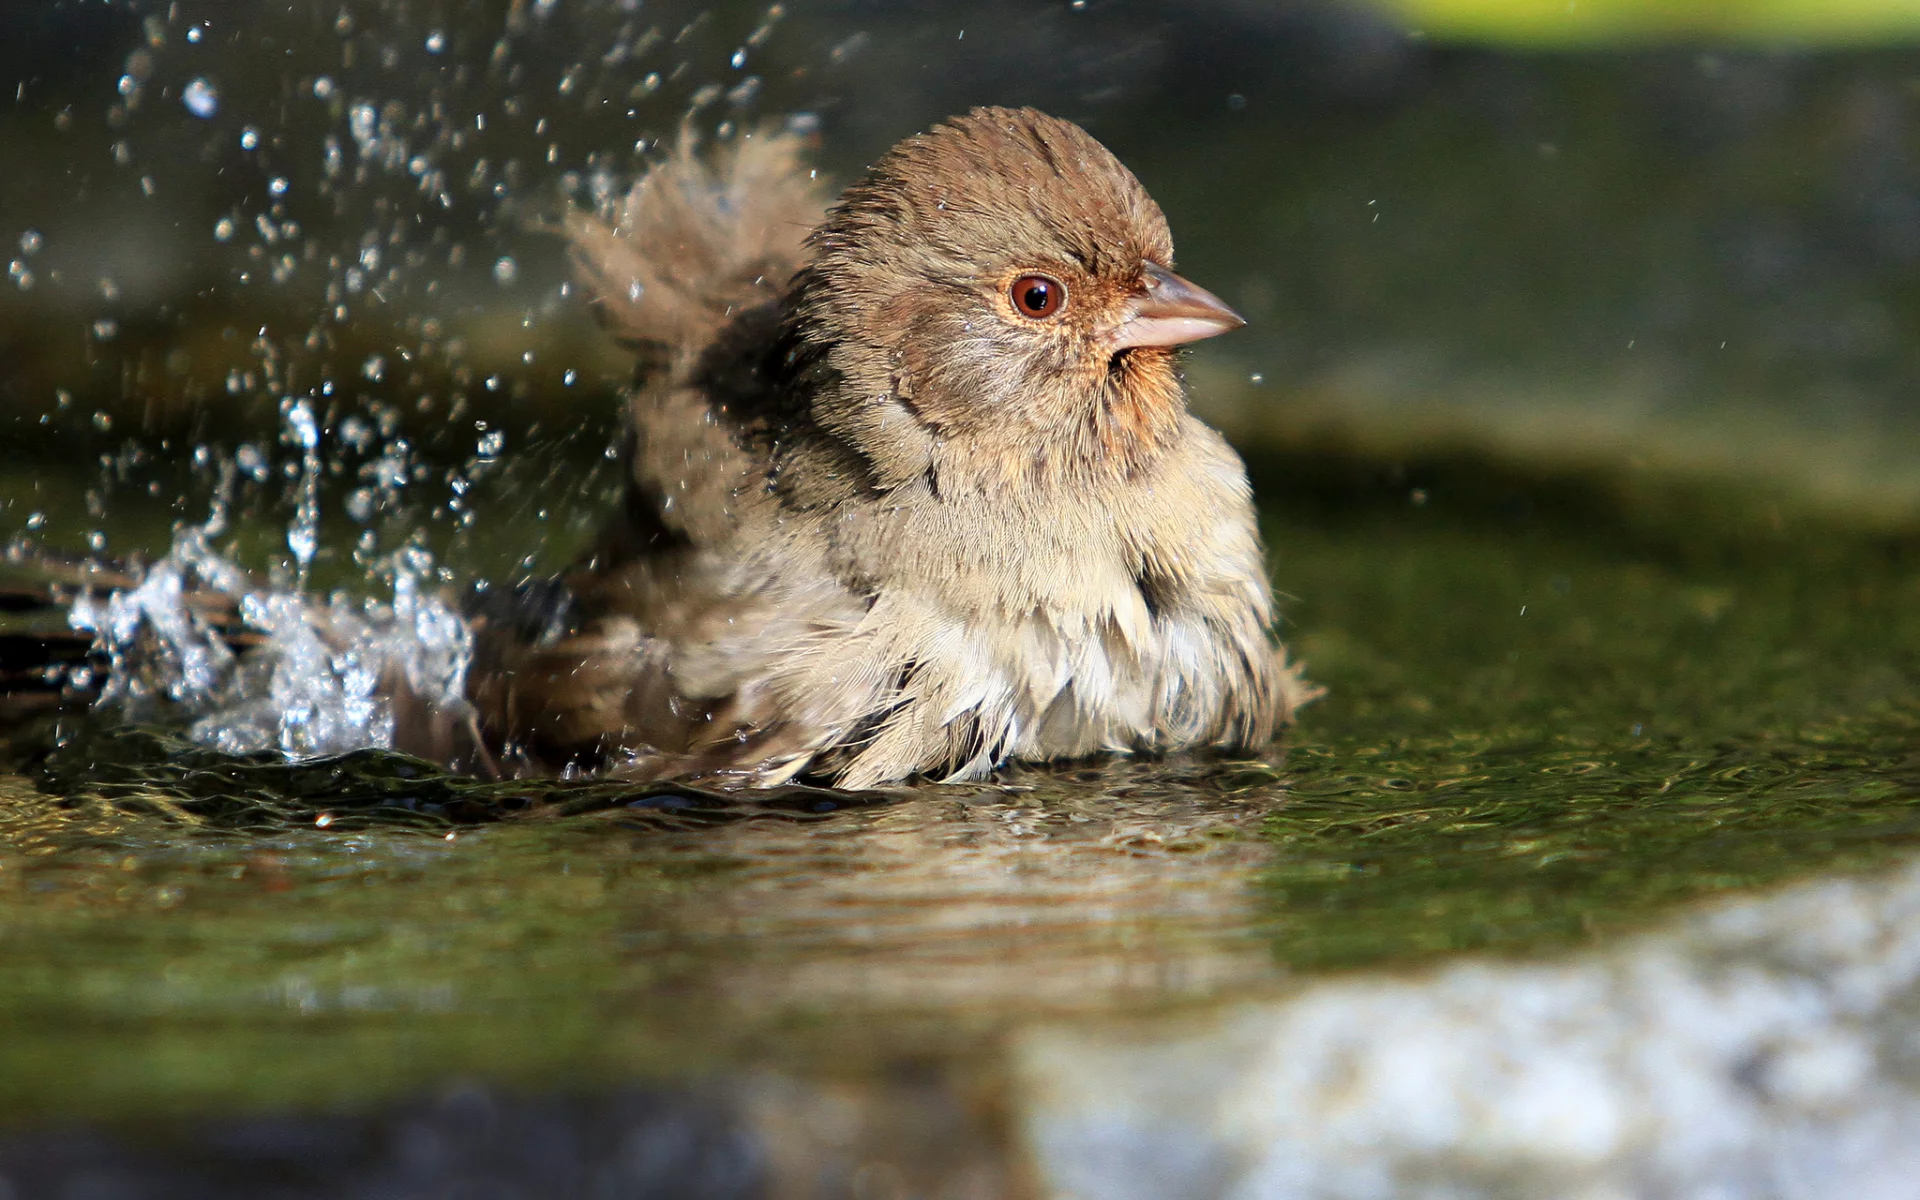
[[1559, 709]]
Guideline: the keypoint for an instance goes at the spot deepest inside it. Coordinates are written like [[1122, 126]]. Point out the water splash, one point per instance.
[[381, 274], [160, 644], [303, 535], [309, 678]]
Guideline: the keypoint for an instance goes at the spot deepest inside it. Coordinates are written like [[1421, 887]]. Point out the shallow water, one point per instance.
[[1559, 709]]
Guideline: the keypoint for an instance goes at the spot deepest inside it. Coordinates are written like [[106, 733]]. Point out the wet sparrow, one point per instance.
[[914, 489]]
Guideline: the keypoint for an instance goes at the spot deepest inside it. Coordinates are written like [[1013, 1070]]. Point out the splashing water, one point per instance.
[[180, 658], [380, 271], [318, 679]]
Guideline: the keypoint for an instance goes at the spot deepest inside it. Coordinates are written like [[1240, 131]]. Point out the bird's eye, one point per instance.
[[1038, 297]]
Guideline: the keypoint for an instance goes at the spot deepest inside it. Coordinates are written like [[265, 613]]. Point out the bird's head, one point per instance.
[[1003, 285]]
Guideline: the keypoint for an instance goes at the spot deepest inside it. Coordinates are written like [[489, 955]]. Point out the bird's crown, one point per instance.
[[1006, 179]]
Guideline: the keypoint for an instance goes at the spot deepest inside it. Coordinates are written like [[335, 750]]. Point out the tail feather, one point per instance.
[[699, 238]]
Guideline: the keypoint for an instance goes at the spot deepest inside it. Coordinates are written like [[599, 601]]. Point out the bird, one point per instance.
[[912, 488]]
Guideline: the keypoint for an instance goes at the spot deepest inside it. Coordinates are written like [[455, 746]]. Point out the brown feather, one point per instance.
[[880, 523], [698, 239]]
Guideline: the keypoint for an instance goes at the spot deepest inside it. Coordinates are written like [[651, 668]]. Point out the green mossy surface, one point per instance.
[[1558, 705]]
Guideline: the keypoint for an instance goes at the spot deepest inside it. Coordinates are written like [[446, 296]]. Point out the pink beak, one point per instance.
[[1172, 312]]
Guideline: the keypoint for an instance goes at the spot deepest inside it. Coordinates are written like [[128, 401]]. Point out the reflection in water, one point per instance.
[[821, 996], [760, 1139], [970, 905], [910, 924]]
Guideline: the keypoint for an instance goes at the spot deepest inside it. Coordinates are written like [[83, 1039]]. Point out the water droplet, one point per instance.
[[846, 50], [196, 33], [128, 85], [301, 426], [490, 445], [303, 533], [103, 421], [249, 138], [504, 270], [363, 123], [567, 379], [739, 59], [743, 93], [31, 241], [21, 276], [278, 185], [106, 329], [223, 229], [201, 97], [436, 42], [375, 368], [109, 290], [36, 520], [323, 88]]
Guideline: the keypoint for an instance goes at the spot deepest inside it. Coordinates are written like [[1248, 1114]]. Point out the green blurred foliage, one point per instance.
[[1537, 23]]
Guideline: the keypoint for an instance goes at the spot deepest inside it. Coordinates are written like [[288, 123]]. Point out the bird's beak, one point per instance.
[[1169, 311]]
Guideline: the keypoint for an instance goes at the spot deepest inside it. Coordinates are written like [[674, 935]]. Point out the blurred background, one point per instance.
[[1661, 234]]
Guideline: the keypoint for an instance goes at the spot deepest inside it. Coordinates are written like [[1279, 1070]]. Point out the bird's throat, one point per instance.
[[1140, 409]]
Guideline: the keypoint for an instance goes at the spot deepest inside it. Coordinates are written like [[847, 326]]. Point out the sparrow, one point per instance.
[[912, 487]]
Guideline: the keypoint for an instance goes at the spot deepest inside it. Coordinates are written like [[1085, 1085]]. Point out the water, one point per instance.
[[1590, 876], [317, 678], [1689, 707]]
